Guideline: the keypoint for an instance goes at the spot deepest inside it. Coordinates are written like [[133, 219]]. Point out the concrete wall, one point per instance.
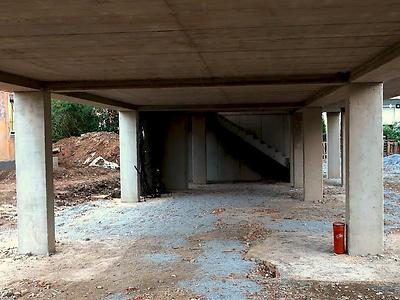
[[175, 157], [222, 165], [226, 164], [228, 158], [273, 129], [7, 144]]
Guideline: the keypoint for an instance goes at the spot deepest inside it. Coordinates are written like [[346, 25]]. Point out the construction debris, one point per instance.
[[99, 148], [102, 163], [87, 171]]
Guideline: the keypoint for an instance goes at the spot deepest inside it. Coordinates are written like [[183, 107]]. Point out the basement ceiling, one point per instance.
[[111, 41]]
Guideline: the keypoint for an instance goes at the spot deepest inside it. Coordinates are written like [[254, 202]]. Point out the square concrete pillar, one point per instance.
[[343, 146], [199, 152], [128, 121], [364, 183], [34, 170], [333, 119], [297, 150], [175, 158], [312, 147]]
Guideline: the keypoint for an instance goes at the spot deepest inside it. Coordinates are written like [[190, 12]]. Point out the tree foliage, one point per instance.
[[108, 119], [323, 125], [72, 119], [392, 132]]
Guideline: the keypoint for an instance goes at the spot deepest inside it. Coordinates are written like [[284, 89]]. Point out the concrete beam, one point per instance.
[[297, 151], [35, 196], [314, 79], [364, 183], [199, 151], [382, 67], [370, 69], [333, 119], [278, 107], [94, 100], [17, 81], [128, 121], [312, 145]]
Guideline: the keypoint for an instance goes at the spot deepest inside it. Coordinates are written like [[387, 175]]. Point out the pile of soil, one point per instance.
[[74, 181], [81, 150]]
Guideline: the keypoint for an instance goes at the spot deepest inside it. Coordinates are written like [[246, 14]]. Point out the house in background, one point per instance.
[[391, 111], [7, 135]]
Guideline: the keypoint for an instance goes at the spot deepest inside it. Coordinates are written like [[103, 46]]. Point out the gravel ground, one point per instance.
[[230, 241], [241, 241]]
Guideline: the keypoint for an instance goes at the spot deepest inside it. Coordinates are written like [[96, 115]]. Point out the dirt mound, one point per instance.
[[82, 150]]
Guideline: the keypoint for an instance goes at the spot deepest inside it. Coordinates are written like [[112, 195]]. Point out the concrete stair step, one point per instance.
[[253, 140]]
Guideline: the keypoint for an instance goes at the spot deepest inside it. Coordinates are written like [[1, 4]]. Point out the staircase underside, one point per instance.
[[253, 140]]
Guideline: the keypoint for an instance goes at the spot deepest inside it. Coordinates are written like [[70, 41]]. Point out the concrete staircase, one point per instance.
[[252, 139]]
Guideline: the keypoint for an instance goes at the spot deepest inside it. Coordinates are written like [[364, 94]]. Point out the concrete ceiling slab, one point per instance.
[[88, 40], [209, 95]]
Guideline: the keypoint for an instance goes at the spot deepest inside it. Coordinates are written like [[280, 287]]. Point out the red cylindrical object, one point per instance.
[[338, 238]]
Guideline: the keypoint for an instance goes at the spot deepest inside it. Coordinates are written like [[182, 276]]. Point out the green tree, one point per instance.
[[392, 131], [108, 119], [72, 119]]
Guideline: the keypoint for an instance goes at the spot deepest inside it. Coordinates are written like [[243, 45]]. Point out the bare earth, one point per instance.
[[231, 241]]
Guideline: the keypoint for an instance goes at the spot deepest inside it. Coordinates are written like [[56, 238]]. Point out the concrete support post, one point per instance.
[[128, 156], [343, 146], [199, 152], [364, 183], [333, 119], [175, 160], [35, 195], [312, 145], [297, 150]]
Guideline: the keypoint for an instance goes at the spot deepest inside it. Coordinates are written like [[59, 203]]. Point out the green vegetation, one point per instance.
[[392, 132], [323, 125], [72, 119]]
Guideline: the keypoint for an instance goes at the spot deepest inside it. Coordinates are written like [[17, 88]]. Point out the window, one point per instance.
[[11, 113]]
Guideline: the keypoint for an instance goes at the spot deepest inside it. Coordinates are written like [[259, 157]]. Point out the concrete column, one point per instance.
[[175, 159], [312, 145], [128, 156], [364, 183], [343, 146], [297, 150], [35, 195], [199, 152], [333, 119]]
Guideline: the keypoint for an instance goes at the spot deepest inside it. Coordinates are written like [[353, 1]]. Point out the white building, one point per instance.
[[391, 111]]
